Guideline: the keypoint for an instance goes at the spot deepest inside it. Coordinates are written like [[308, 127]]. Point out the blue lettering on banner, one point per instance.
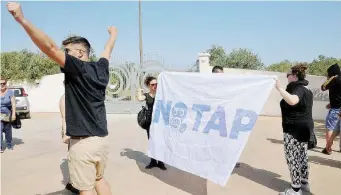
[[160, 108], [174, 116], [200, 109], [237, 122], [219, 115]]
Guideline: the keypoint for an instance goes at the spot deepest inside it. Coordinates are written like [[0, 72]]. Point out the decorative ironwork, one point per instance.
[[127, 78]]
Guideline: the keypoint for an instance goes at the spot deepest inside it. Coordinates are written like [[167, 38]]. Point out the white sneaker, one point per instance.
[[305, 187], [290, 191]]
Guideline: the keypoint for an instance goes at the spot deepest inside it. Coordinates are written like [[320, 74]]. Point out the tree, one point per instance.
[[26, 66], [218, 56], [238, 58], [320, 65], [244, 59], [283, 66]]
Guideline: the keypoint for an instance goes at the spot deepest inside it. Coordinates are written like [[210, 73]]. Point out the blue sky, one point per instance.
[[178, 31]]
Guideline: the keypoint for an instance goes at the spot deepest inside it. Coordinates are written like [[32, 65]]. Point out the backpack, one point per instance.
[[142, 118], [312, 141]]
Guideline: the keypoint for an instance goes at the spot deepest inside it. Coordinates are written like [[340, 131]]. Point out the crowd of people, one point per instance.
[[83, 112]]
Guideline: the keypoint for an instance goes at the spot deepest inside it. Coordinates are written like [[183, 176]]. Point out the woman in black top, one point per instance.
[[151, 83], [297, 123]]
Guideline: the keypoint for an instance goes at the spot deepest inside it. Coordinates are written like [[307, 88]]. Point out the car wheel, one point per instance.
[[28, 115]]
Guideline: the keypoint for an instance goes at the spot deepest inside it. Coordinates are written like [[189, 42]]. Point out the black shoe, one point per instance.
[[152, 164], [71, 188], [162, 166], [325, 151]]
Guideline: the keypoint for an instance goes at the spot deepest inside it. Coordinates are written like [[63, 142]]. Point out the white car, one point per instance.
[[22, 103]]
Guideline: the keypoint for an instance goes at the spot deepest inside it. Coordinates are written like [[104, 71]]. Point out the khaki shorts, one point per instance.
[[87, 161]]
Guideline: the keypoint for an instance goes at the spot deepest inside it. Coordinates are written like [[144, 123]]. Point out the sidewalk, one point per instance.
[[38, 165]]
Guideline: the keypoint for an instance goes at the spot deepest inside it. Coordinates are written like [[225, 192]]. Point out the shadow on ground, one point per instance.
[[15, 142], [325, 161], [61, 192], [263, 177], [277, 141], [65, 172], [179, 179]]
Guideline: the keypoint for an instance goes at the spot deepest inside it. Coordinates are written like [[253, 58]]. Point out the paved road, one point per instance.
[[37, 165]]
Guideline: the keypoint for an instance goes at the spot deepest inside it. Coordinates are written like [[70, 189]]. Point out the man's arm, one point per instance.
[[43, 42], [325, 86], [110, 43], [62, 113]]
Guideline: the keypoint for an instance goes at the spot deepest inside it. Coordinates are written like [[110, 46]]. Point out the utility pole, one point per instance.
[[140, 34]]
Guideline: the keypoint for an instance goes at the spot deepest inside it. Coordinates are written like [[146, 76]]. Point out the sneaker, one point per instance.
[[305, 187], [290, 191], [162, 166], [71, 188], [152, 164], [10, 148], [1, 151]]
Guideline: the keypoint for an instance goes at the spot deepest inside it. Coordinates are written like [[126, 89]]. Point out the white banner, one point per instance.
[[201, 122]]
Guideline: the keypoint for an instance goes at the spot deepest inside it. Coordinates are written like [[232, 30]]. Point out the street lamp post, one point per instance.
[[140, 34]]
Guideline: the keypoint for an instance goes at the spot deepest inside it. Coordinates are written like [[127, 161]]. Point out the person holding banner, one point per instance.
[[297, 123], [151, 83]]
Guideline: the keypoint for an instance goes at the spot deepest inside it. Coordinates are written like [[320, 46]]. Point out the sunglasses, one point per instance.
[[67, 50], [3, 83], [153, 84]]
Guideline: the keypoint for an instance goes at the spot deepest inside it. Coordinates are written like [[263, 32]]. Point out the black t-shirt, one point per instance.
[[297, 120], [334, 87], [85, 85]]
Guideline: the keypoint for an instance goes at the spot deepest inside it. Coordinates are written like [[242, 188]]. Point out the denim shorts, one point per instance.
[[332, 119]]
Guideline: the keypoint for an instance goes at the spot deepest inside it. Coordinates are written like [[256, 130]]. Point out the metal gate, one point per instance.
[[125, 81]]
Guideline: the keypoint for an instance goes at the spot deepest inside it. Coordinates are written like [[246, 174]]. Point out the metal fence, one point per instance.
[[126, 78]]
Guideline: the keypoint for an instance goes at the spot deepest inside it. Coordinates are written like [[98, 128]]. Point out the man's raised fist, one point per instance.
[[112, 30], [15, 9]]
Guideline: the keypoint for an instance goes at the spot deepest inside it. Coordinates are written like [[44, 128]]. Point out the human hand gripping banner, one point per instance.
[[201, 122]]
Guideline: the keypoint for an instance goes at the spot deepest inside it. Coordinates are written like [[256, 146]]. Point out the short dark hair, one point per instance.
[[216, 68], [3, 78], [78, 40], [148, 80]]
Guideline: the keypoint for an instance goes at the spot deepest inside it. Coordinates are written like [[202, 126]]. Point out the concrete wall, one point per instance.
[[271, 107], [45, 96]]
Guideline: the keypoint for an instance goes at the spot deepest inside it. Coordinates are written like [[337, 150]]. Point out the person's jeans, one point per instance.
[[6, 128]]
